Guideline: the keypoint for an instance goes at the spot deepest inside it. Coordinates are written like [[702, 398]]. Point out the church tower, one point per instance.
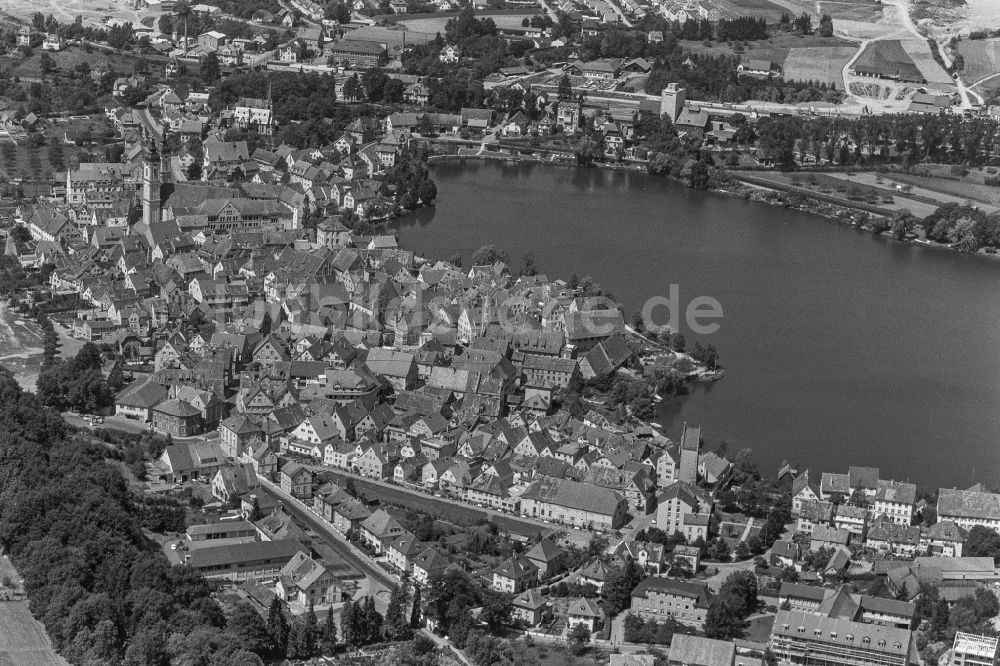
[[151, 175]]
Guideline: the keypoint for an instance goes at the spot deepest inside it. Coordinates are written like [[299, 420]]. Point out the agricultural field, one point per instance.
[[22, 638], [982, 58], [824, 64], [777, 49], [765, 9], [864, 12], [66, 11], [920, 53]]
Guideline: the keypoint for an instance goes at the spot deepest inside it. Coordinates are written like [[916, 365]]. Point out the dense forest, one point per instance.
[[72, 528]]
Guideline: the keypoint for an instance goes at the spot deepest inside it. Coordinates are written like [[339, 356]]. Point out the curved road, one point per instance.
[[909, 31]]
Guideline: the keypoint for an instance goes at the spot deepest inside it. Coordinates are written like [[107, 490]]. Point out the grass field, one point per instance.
[[881, 196], [824, 64], [965, 188], [982, 58], [22, 639]]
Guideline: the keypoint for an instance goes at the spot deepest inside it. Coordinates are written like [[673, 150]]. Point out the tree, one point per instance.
[[427, 191], [296, 647], [488, 255], [248, 628], [728, 610], [352, 88], [826, 26], [415, 619], [497, 610], [578, 639], [47, 64], [396, 627], [565, 89], [619, 586], [328, 635], [193, 171], [211, 71], [310, 633], [349, 624], [982, 542], [277, 626], [903, 223]]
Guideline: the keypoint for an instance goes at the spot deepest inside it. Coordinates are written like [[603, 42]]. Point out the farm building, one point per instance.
[[887, 60]]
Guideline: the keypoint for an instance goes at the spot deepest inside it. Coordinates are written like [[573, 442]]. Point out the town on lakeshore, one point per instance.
[[241, 424]]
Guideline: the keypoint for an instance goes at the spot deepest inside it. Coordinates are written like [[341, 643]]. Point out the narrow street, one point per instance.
[[331, 536]]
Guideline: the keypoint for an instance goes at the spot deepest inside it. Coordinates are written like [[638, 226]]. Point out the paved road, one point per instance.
[[349, 553], [331, 536]]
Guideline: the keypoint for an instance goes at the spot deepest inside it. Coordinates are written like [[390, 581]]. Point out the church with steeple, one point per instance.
[[155, 169]]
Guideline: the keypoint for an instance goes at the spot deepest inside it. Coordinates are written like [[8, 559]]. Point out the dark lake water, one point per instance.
[[840, 348]]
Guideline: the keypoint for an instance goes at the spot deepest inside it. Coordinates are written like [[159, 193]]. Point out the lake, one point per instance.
[[840, 348]]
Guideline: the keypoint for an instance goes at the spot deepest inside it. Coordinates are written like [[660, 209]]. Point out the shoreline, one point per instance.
[[842, 212]]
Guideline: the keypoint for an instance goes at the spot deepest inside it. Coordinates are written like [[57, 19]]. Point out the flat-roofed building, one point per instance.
[[231, 529]]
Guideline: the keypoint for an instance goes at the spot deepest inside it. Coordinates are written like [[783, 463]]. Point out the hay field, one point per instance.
[[823, 64]]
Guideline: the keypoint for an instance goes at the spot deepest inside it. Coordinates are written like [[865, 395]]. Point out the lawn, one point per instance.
[[760, 629], [982, 58], [823, 64], [22, 638]]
